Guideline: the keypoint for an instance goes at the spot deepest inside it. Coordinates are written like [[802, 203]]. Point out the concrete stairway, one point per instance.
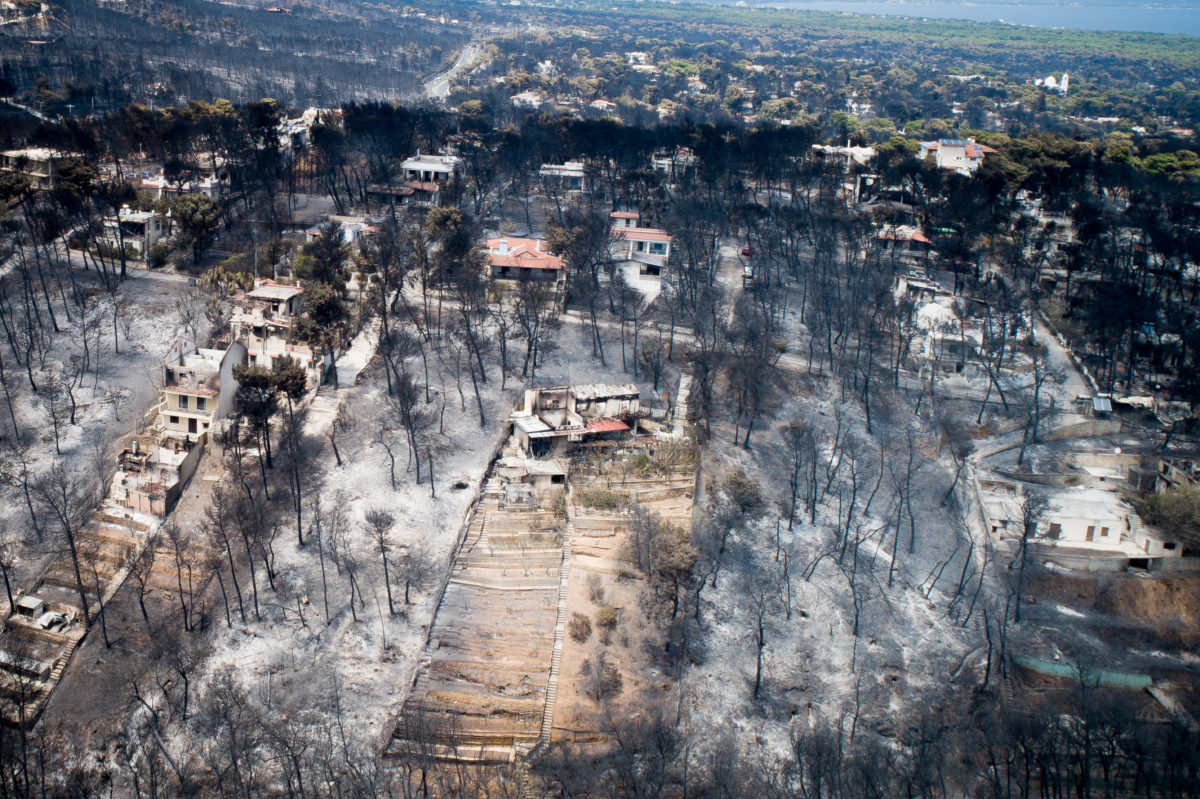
[[560, 629]]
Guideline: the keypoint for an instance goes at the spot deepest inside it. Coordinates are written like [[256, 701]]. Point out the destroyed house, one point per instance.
[[430, 168], [153, 470], [553, 419], [264, 322], [905, 243], [409, 194], [199, 387]]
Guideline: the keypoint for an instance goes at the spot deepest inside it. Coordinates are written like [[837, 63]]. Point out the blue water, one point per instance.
[[1097, 18]]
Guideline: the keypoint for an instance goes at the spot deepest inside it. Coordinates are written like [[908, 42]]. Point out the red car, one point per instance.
[[747, 250]]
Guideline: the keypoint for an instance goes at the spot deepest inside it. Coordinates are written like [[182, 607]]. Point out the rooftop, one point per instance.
[[641, 234], [33, 154], [270, 290], [904, 233], [521, 253], [420, 161], [591, 391]]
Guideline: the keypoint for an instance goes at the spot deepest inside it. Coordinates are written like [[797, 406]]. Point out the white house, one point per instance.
[[430, 168], [38, 164], [961, 155], [569, 176], [159, 187], [528, 99], [137, 231]]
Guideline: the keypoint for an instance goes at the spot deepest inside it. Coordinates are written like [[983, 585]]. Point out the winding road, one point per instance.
[[438, 87]]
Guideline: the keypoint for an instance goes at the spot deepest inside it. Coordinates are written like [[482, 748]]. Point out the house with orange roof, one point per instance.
[[649, 247], [523, 259]]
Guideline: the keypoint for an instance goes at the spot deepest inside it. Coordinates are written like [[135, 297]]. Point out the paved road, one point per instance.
[[438, 86]]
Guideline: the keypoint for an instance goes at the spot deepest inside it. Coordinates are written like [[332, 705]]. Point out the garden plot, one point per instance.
[[610, 663], [480, 693]]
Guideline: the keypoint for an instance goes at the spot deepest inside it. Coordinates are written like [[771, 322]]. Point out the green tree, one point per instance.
[[1176, 512], [197, 217], [326, 313], [257, 396], [322, 258], [291, 380]]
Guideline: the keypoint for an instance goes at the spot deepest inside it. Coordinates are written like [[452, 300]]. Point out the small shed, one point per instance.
[[31, 607]]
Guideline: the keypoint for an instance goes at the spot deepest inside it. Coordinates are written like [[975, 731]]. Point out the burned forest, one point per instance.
[[685, 400]]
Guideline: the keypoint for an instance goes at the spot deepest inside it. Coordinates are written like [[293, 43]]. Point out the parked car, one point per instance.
[[747, 250]]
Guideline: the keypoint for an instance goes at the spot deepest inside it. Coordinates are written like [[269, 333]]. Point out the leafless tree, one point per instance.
[[139, 565], [414, 569], [1033, 508], [381, 523], [68, 498]]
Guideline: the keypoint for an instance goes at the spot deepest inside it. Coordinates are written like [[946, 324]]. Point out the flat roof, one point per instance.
[[434, 161], [530, 424], [275, 291], [604, 390], [641, 234]]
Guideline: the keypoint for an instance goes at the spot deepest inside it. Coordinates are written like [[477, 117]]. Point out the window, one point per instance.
[[1168, 545], [201, 404], [1104, 532], [183, 402], [174, 420], [1091, 533], [1055, 530]]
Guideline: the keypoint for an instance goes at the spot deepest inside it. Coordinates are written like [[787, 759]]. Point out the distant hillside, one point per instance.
[[105, 54]]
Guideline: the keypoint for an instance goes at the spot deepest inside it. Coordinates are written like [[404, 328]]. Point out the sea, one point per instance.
[[1183, 19]]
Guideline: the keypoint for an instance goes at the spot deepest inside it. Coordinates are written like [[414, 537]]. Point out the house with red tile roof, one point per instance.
[[962, 155], [629, 241], [523, 259]]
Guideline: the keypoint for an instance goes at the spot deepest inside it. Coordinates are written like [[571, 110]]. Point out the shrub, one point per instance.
[[606, 620], [157, 256], [601, 678], [595, 588], [600, 499], [579, 627]]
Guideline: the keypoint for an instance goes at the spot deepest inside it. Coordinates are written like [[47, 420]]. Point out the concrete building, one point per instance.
[[160, 188], [136, 231], [153, 471], [569, 176], [649, 247], [430, 168], [38, 164], [264, 322], [199, 387], [554, 419]]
